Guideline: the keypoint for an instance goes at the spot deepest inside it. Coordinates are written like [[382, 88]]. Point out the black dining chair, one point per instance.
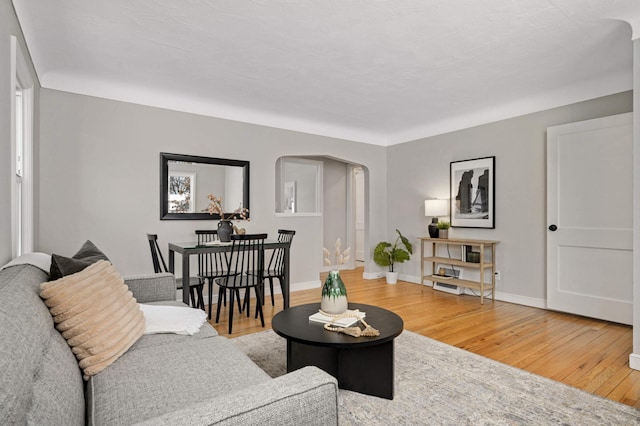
[[247, 254], [275, 268], [212, 265], [195, 283]]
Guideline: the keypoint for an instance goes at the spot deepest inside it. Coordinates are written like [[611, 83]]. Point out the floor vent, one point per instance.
[[447, 287]]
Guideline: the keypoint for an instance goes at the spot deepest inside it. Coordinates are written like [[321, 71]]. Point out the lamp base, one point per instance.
[[433, 228]]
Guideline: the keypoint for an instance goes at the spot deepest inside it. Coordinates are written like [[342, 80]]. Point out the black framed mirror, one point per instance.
[[187, 180]]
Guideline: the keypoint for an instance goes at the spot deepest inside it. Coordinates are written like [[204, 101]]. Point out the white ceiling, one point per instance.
[[375, 71]]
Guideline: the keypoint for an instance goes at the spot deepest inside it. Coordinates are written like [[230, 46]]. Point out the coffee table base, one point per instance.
[[367, 370]]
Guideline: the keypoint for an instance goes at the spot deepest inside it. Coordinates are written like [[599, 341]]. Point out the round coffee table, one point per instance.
[[361, 364]]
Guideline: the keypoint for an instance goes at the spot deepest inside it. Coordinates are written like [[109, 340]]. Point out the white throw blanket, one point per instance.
[[39, 260], [172, 319]]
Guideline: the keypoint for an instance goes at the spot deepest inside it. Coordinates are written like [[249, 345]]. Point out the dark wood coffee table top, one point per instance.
[[294, 324]]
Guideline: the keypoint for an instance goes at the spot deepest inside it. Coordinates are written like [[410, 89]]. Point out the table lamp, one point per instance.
[[435, 208]]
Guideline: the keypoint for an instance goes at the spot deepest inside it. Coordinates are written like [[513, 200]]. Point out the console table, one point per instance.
[[486, 262]]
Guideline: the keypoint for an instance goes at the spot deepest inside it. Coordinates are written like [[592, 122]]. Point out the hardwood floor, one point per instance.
[[589, 354]]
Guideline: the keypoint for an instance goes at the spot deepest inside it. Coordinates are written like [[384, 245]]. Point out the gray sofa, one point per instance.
[[163, 379]]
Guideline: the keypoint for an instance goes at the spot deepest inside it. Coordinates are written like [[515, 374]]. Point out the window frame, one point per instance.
[[22, 188]]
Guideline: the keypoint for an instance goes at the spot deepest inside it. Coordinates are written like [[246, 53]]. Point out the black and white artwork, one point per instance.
[[473, 193], [182, 188]]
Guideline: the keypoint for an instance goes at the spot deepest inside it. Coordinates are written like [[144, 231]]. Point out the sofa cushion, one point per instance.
[[95, 313], [87, 255], [168, 377], [41, 381]]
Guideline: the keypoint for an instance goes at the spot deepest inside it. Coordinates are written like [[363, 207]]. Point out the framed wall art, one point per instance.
[[182, 189], [472, 194]]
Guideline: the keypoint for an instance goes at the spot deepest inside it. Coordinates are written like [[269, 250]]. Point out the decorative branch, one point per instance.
[[340, 257], [215, 207]]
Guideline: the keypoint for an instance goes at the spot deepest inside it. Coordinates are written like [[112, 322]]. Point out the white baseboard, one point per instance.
[[276, 289], [501, 296], [372, 275], [521, 300], [634, 361], [409, 278], [303, 286]]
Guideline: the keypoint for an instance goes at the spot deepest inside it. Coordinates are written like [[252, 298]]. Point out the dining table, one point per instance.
[[187, 249]]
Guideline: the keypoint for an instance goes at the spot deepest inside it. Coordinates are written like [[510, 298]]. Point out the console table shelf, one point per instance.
[[485, 263]]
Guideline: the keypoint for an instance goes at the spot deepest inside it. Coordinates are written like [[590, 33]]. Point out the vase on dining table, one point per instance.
[[334, 294], [225, 229]]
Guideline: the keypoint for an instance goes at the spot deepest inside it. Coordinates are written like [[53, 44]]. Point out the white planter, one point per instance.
[[392, 277]]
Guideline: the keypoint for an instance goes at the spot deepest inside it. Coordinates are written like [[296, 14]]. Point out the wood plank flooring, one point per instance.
[[585, 353]]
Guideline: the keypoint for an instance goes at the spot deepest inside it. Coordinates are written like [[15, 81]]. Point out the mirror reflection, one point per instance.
[[186, 182]]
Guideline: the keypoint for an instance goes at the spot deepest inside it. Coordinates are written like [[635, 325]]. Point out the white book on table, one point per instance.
[[342, 322], [217, 243]]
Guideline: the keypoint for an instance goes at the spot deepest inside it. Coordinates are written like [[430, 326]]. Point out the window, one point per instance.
[[22, 158]]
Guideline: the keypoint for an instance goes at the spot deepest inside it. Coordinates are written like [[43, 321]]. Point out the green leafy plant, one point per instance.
[[444, 225], [387, 254]]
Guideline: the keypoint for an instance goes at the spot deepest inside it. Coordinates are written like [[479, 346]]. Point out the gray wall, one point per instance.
[[9, 26], [100, 177], [336, 174], [635, 357], [420, 169]]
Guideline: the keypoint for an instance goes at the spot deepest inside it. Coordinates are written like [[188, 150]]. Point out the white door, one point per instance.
[[589, 218], [358, 175]]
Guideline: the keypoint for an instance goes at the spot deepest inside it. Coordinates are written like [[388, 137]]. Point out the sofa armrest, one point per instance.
[[308, 396], [152, 287]]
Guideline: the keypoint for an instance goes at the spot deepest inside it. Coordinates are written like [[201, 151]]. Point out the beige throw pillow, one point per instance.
[[96, 313]]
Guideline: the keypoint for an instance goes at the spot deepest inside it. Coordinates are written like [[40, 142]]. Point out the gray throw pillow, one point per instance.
[[62, 266]]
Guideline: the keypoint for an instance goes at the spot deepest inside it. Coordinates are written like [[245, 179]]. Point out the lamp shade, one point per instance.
[[436, 208]]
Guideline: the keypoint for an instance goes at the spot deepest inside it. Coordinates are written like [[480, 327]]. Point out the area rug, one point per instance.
[[439, 384]]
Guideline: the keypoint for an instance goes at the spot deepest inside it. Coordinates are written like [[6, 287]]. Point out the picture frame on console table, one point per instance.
[[472, 193]]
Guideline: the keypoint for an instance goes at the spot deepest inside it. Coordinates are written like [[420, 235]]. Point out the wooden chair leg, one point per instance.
[[259, 304], [247, 301], [194, 302], [240, 308], [280, 280], [260, 289], [221, 291], [271, 290], [200, 297], [231, 294], [210, 282]]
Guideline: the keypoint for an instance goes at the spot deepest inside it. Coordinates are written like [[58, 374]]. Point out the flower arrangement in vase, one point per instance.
[[334, 293], [225, 226]]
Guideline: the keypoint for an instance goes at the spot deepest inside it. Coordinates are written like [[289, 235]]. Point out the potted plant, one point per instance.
[[387, 254], [443, 229]]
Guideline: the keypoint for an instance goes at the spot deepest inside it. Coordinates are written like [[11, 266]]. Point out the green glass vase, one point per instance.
[[334, 294]]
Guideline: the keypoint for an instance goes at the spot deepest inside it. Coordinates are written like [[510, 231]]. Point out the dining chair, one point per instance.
[[275, 268], [195, 283], [212, 265], [247, 254]]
